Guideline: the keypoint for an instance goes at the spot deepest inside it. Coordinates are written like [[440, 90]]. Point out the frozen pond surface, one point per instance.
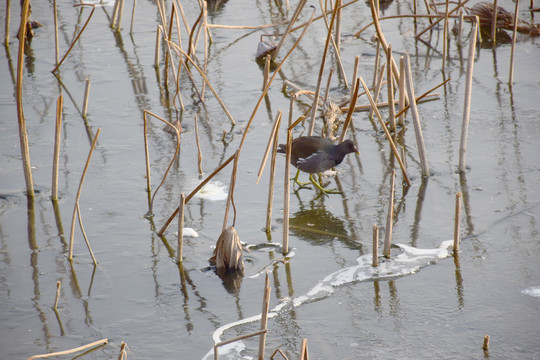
[[421, 304]]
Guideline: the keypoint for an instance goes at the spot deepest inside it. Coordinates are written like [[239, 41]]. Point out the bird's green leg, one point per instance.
[[318, 186], [301, 184]]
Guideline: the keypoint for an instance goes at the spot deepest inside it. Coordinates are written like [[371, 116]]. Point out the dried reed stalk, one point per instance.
[[77, 197], [85, 100], [179, 249], [304, 350], [355, 72], [76, 37], [335, 41], [199, 152], [390, 88], [375, 260], [321, 70], [58, 131], [468, 94], [457, 218], [177, 150], [119, 18], [485, 345], [6, 27], [445, 36], [79, 218], [273, 135], [191, 194], [177, 48], [402, 103], [377, 62], [416, 119], [23, 135], [58, 287], [288, 29], [377, 89], [272, 178], [264, 316], [494, 22], [266, 72], [71, 351], [230, 196], [157, 52], [287, 185], [351, 110], [123, 346], [146, 155], [242, 337], [389, 218], [387, 133], [514, 36], [56, 46], [132, 16]]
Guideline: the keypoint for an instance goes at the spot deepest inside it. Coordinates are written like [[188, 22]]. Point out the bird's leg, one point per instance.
[[318, 186], [301, 184]]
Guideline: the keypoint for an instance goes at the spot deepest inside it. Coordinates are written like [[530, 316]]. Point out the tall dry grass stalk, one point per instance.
[[76, 37], [375, 258], [468, 95], [416, 119], [71, 351], [321, 70], [457, 218], [514, 36], [191, 194], [180, 244], [264, 316], [387, 133], [177, 150], [23, 134], [77, 197], [389, 217], [56, 155]]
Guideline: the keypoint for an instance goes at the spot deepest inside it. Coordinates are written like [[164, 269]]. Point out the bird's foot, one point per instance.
[[321, 189]]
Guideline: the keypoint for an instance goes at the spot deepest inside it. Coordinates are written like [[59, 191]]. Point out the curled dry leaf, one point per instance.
[[228, 253]]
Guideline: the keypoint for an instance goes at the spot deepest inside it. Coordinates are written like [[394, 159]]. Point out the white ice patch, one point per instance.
[[410, 261], [532, 291], [188, 232], [213, 191]]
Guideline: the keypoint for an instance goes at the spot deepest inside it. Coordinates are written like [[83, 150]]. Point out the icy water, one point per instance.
[[423, 303]]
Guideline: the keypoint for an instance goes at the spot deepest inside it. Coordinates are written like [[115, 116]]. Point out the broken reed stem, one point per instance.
[[416, 119], [238, 338], [56, 48], [123, 346], [266, 72], [494, 23], [191, 194], [287, 186], [514, 36], [304, 350], [321, 70], [387, 133], [179, 248], [402, 105], [119, 17], [485, 345], [177, 150], [199, 152], [177, 48], [146, 155], [77, 197], [157, 52], [457, 217], [6, 28], [23, 135], [272, 180], [377, 89], [76, 37], [230, 196], [355, 73], [71, 351], [79, 218], [375, 261], [56, 154], [390, 88], [445, 36], [58, 287], [467, 103], [85, 100], [377, 62], [288, 29], [389, 217], [132, 16], [351, 110], [264, 316]]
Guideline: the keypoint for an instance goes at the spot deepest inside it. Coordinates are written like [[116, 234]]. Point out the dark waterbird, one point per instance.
[[315, 154]]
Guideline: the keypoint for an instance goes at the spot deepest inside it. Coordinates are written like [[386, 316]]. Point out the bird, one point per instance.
[[315, 154]]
